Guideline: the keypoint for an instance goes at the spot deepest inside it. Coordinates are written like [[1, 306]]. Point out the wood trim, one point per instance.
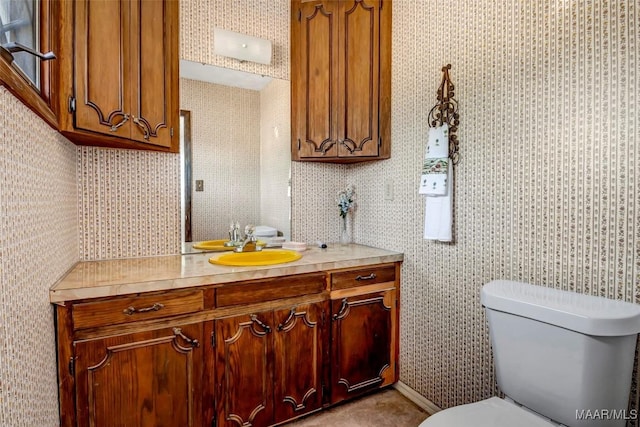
[[417, 398], [361, 290], [188, 172], [172, 12], [66, 380], [384, 85], [295, 78], [270, 289], [396, 327], [79, 137]]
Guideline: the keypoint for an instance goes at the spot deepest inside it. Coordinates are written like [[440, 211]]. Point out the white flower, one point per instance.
[[346, 200]]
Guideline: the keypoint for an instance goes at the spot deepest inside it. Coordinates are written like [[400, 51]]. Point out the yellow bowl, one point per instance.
[[213, 245], [265, 257]]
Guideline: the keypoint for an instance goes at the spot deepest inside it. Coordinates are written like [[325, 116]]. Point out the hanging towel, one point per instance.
[[438, 214], [433, 181]]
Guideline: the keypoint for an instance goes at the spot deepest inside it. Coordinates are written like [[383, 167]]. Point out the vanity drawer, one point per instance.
[[270, 289], [363, 276], [132, 309]]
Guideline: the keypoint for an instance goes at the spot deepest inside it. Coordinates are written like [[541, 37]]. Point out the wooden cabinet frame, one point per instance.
[[118, 88], [341, 80]]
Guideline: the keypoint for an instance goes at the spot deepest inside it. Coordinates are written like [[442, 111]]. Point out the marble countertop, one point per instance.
[[95, 279]]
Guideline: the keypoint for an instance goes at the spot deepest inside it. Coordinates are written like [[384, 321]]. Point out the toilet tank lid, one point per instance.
[[587, 314]]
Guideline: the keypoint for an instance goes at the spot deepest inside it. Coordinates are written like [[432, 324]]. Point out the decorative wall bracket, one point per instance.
[[446, 111]]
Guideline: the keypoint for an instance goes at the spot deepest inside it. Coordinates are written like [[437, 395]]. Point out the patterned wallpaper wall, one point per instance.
[[225, 135], [547, 189], [128, 203], [38, 244], [267, 19]]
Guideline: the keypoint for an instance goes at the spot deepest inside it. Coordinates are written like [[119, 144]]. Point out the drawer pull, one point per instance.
[[129, 311], [369, 277], [178, 333], [257, 321]]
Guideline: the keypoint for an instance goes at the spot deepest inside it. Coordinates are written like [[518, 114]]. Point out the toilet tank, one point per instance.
[[566, 356]]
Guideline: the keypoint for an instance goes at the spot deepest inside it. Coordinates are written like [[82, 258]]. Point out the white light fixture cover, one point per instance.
[[241, 46]]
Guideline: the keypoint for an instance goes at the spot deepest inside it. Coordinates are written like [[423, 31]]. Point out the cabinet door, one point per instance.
[[299, 346], [147, 379], [316, 72], [102, 84], [153, 71], [360, 74], [244, 369], [125, 80], [363, 344]]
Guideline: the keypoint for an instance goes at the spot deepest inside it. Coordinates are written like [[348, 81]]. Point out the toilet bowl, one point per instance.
[[558, 354], [492, 412]]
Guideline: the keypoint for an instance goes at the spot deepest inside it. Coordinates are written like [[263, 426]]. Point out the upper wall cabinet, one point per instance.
[[121, 87], [340, 80]]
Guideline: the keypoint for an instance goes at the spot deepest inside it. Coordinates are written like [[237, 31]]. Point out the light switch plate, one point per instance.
[[199, 185]]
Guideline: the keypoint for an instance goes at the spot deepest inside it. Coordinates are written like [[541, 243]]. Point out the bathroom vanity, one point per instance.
[[177, 341]]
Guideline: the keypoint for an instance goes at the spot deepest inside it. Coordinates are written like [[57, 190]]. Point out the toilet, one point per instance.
[[561, 358]]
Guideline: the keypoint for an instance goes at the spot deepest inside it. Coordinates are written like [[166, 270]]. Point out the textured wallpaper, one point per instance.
[[128, 203], [225, 135], [267, 19], [38, 244], [547, 189]]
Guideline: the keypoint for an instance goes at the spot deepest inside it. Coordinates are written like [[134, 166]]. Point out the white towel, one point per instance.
[[433, 181], [438, 214]]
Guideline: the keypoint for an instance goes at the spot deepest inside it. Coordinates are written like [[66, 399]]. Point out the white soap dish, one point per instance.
[[295, 246]]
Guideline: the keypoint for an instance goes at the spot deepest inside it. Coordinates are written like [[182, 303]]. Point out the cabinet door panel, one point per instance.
[[362, 344], [102, 84], [244, 370], [299, 343], [147, 379], [151, 71], [315, 89], [360, 84]]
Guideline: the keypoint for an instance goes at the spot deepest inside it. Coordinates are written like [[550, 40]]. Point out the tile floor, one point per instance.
[[387, 408]]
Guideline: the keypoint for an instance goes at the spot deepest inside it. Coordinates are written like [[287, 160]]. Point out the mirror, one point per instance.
[[235, 128]]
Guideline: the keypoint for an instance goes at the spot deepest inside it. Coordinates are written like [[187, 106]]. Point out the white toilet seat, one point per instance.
[[492, 412]]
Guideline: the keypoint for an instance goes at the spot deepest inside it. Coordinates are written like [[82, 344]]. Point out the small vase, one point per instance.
[[346, 228]]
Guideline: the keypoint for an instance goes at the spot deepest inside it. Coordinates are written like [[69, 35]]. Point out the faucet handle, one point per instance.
[[249, 230]]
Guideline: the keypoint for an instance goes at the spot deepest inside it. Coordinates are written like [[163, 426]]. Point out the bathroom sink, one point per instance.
[[213, 245], [264, 257]]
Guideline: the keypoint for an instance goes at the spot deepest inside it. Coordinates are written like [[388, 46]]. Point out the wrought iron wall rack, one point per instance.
[[446, 111]]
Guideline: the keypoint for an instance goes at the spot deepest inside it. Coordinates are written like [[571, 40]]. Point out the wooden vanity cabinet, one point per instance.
[[269, 365], [364, 301], [254, 353], [146, 379], [119, 87], [129, 361], [340, 80]]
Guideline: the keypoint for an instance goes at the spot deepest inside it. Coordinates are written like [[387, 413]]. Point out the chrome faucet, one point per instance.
[[249, 244]]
